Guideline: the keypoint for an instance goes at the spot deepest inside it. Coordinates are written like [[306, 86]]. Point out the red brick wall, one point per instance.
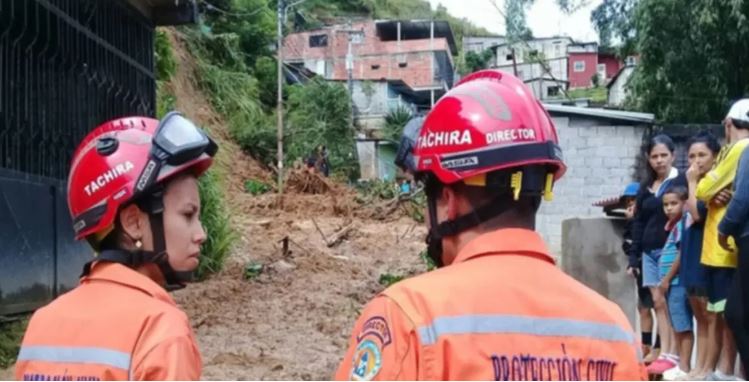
[[372, 51], [582, 79]]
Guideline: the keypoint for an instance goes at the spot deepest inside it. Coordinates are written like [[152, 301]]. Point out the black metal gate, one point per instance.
[[65, 67]]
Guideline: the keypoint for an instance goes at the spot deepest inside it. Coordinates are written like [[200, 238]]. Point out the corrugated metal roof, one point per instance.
[[616, 115]]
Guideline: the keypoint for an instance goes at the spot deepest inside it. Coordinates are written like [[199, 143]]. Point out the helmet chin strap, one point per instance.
[[508, 187], [447, 228], [174, 280], [153, 204]]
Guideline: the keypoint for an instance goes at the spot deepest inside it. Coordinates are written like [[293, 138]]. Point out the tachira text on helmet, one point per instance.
[[445, 138], [510, 135], [103, 179]]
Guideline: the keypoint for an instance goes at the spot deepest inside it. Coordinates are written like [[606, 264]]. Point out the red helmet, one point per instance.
[[490, 121], [125, 158]]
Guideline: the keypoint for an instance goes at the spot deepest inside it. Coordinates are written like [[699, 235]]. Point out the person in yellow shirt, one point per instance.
[[720, 262], [736, 224]]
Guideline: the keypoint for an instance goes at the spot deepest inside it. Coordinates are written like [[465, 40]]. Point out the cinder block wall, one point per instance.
[[600, 163], [592, 254]]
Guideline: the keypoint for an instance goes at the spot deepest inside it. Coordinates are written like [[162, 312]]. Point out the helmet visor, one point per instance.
[[179, 140]]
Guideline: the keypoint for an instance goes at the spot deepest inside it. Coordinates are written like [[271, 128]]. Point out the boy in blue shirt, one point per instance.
[[674, 201]]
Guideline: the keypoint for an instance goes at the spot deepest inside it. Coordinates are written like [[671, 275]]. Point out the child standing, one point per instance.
[[674, 200], [650, 350]]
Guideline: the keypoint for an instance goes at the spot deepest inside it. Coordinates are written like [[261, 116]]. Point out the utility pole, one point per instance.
[[282, 9], [431, 54], [514, 62], [279, 100], [351, 32]]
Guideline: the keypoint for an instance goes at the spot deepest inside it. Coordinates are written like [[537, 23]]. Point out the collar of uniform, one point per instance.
[[514, 241], [120, 274]]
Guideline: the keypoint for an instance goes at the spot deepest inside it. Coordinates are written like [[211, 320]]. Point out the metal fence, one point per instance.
[[66, 66]]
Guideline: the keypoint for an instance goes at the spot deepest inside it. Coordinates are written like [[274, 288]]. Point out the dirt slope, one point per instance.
[[293, 320]]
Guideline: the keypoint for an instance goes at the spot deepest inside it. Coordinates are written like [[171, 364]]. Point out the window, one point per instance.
[[318, 40], [579, 66], [631, 60], [552, 91], [557, 50], [375, 66], [357, 37]]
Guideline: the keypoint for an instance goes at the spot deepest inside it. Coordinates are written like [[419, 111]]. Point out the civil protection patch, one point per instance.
[[377, 327], [367, 361]]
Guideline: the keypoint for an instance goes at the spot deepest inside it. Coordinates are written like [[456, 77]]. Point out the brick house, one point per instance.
[[395, 63]]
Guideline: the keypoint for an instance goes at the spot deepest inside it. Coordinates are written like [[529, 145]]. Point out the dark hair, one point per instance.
[[740, 124], [660, 139], [679, 191], [706, 138]]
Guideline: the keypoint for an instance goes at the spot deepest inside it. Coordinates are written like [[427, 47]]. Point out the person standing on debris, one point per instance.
[[133, 194], [719, 261], [735, 224], [321, 161], [648, 238], [498, 308]]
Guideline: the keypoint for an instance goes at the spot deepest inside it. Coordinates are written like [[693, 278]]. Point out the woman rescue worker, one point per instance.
[[133, 194]]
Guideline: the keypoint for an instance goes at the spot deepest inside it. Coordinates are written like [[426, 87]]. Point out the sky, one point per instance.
[[544, 18]]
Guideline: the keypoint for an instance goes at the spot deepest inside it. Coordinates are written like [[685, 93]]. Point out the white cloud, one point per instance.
[[544, 17]]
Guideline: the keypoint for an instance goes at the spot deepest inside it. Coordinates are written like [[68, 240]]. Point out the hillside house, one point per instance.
[[394, 63]]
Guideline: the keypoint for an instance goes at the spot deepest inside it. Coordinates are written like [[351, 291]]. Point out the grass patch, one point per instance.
[[597, 94], [256, 187]]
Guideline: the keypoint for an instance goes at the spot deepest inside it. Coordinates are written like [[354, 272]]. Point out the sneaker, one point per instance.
[[675, 374], [661, 365], [719, 376]]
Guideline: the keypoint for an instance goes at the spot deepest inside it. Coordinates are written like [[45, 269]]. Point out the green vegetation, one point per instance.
[[253, 270], [596, 94], [215, 219], [710, 35], [395, 121], [320, 114], [11, 334], [256, 187], [388, 279], [214, 215]]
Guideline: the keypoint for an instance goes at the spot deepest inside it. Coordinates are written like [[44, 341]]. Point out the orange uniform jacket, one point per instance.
[[117, 325], [501, 311]]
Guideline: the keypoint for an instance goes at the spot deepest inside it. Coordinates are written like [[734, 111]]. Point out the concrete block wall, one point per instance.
[[600, 163], [592, 254]]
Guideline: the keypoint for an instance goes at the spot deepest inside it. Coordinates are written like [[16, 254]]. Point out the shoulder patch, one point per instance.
[[367, 361], [378, 328]]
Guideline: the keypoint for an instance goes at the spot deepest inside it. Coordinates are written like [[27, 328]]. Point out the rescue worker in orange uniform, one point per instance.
[[133, 194], [497, 308]]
